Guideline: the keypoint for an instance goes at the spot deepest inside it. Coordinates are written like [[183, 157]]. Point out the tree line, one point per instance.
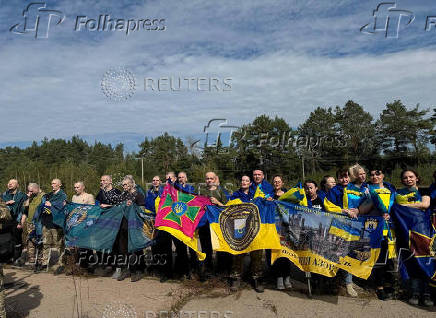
[[330, 137]]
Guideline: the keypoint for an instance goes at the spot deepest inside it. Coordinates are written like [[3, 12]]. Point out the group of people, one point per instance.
[[348, 193]]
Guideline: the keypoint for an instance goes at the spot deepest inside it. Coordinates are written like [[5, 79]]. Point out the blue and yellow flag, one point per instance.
[[340, 197], [295, 195], [407, 196], [242, 228], [321, 242], [344, 231], [415, 236]]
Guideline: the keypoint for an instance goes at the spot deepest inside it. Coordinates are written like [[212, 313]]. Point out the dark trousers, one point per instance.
[[281, 267], [17, 235], [162, 250], [383, 269], [181, 262], [206, 246]]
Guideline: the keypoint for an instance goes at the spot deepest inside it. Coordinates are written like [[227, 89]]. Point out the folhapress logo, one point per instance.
[[37, 20]]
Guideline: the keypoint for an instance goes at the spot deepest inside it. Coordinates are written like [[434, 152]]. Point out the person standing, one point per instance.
[[81, 197], [35, 195], [382, 198], [259, 181], [416, 197], [52, 235], [327, 183], [343, 199], [131, 196], [311, 190], [15, 199], [108, 195], [152, 194]]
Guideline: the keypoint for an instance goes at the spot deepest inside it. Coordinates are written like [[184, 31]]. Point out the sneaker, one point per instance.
[[117, 273], [236, 284], [135, 276], [280, 284], [124, 274], [427, 301], [350, 291], [288, 284], [414, 300], [258, 286]]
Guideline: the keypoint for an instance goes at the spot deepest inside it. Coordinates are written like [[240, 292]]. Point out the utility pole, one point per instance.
[[142, 170]]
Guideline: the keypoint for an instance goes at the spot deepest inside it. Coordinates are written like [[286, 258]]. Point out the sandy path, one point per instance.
[[45, 295]]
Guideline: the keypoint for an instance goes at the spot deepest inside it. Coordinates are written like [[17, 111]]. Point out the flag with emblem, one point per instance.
[[415, 235], [92, 227], [179, 214], [242, 228]]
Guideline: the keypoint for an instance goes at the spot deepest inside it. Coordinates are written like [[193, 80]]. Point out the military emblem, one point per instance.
[[371, 224], [76, 216], [239, 225], [179, 208]]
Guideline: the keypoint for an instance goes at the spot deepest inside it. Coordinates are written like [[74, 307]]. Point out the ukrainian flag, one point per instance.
[[407, 196], [295, 195], [344, 231], [242, 228]]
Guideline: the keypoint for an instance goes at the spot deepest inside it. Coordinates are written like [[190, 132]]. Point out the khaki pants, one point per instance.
[[256, 266], [28, 245], [52, 239]]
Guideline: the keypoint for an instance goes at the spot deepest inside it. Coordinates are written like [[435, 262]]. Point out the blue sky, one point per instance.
[[285, 58]]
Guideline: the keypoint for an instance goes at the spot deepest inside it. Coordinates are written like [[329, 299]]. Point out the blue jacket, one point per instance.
[[185, 188], [151, 198]]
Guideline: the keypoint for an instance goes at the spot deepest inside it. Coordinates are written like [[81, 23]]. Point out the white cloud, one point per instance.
[[281, 59]]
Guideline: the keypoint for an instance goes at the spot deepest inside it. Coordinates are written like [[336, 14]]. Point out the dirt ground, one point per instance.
[[45, 295]]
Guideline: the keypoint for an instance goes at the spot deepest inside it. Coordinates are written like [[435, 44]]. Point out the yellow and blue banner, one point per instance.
[[321, 242], [242, 228]]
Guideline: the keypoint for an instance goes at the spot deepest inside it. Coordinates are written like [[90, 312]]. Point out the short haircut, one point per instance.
[[341, 172], [34, 186], [311, 181]]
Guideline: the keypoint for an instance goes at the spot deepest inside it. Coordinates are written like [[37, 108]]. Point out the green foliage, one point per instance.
[[328, 139]]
